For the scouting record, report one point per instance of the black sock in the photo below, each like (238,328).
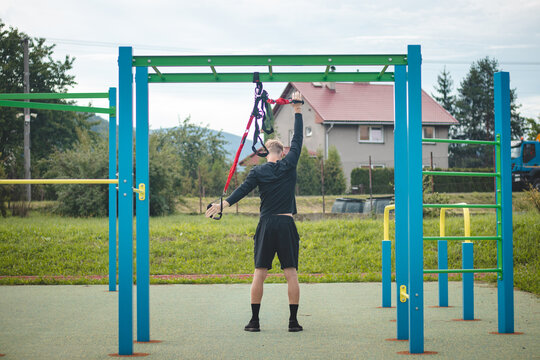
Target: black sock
(255,312)
(294,310)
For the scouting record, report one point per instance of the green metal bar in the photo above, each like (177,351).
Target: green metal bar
(214,72)
(456,141)
(60,107)
(461,206)
(460,271)
(458,238)
(382,71)
(498,197)
(265,60)
(157,71)
(270,70)
(276,77)
(48,96)
(457,173)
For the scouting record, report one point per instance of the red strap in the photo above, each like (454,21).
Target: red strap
(280,101)
(233,167)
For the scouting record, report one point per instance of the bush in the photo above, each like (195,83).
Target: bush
(534,196)
(382,180)
(334,179)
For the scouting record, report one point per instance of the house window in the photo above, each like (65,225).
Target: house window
(373,166)
(428,132)
(529,152)
(308,131)
(368,133)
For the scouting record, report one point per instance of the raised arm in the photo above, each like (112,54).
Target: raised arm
(298,137)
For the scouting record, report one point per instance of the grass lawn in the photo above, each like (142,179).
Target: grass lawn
(335,249)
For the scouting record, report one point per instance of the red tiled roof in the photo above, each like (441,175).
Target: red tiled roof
(253,159)
(363,102)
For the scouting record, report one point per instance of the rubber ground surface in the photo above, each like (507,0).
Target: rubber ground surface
(341,321)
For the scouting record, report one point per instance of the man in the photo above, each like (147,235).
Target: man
(276,231)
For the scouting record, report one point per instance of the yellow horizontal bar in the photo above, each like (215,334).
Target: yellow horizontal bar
(57,181)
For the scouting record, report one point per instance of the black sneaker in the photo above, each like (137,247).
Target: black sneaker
(294,326)
(253,326)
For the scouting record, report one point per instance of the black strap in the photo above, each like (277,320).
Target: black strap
(220,213)
(262,111)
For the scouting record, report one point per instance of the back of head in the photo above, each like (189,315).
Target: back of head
(274,147)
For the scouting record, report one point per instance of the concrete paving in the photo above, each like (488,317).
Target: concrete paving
(341,321)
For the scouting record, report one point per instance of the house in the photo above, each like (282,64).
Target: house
(358,119)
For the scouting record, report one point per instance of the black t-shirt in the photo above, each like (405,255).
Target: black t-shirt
(276,181)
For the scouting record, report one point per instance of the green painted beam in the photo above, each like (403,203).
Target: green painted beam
(458,173)
(461,206)
(48,96)
(275,77)
(458,238)
(460,271)
(456,141)
(383,70)
(275,60)
(60,107)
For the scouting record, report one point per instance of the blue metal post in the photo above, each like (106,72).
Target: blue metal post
(112,193)
(505,286)
(416,242)
(142,209)
(467,259)
(125,203)
(386,273)
(442,252)
(401,179)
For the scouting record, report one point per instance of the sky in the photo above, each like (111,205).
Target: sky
(452,34)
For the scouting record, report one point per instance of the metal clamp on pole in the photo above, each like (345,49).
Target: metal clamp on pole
(403,296)
(141,191)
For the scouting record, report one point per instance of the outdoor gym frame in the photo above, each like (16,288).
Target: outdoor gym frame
(12,100)
(408,172)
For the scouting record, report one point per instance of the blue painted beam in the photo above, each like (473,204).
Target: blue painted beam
(442,253)
(125,203)
(386,273)
(467,262)
(416,242)
(142,209)
(505,286)
(401,179)
(112,193)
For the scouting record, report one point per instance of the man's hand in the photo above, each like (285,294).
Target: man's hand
(297,106)
(216,208)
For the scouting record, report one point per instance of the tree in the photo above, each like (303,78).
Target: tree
(50,130)
(308,174)
(444,91)
(475,113)
(334,179)
(532,127)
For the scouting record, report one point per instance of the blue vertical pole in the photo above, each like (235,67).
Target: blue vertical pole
(467,259)
(442,252)
(112,192)
(401,181)
(386,273)
(125,203)
(142,209)
(505,286)
(416,242)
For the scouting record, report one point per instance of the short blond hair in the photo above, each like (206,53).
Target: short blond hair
(274,146)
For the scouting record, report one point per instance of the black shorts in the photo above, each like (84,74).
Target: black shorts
(276,234)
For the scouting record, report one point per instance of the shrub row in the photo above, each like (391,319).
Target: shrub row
(383,181)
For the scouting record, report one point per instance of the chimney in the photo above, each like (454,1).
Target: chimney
(331,86)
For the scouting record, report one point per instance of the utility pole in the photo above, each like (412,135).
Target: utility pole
(26,85)
(322,184)
(370,186)
(432,180)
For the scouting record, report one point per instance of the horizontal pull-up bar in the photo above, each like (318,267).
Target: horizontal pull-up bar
(47,96)
(460,238)
(274,60)
(457,141)
(460,173)
(57,181)
(460,206)
(62,107)
(461,271)
(274,77)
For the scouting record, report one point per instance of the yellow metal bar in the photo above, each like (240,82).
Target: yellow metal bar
(141,190)
(403,296)
(387,209)
(57,181)
(466,221)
